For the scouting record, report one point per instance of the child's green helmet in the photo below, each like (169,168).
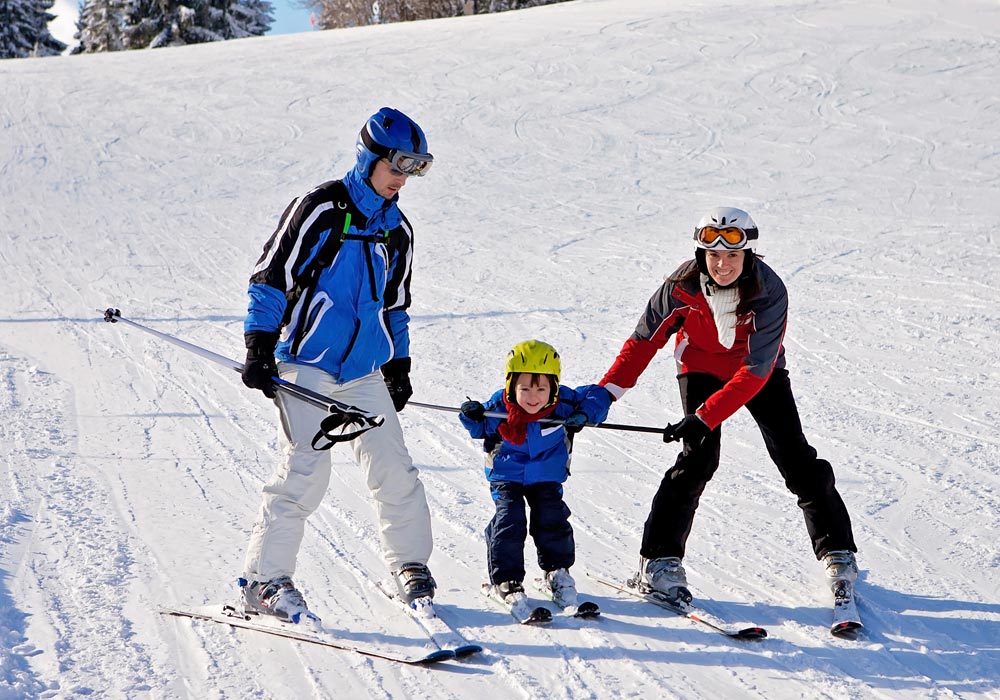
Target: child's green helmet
(535,357)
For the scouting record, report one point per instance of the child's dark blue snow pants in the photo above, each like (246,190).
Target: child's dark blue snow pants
(547,521)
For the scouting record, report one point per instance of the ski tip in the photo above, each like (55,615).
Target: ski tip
(847,630)
(587,609)
(467,650)
(752,633)
(539,616)
(438,656)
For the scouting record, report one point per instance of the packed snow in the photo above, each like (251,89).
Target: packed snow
(575,147)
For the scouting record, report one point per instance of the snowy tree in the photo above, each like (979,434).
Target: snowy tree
(100,26)
(334,14)
(248,18)
(24,29)
(156,23)
(487,6)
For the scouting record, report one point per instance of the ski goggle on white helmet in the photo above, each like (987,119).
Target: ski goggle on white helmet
(726,227)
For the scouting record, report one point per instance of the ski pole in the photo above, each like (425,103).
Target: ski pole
(333,406)
(553,421)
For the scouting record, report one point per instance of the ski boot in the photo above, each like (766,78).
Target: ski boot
(563,587)
(664,576)
(511,591)
(841,566)
(277,597)
(414,580)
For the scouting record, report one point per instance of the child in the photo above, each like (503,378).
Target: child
(526,461)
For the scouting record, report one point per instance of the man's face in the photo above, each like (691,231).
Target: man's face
(385,181)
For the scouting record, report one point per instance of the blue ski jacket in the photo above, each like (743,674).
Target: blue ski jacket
(545,454)
(334,279)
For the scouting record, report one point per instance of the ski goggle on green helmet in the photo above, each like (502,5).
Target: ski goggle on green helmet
(534,357)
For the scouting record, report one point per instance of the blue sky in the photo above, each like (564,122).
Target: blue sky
(289,17)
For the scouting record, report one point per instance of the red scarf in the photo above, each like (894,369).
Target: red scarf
(515,428)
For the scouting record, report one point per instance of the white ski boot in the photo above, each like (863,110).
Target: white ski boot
(563,587)
(665,576)
(277,597)
(840,566)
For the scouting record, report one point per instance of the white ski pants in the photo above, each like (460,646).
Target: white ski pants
(297,489)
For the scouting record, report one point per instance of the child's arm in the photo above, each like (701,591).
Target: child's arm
(594,401)
(472,419)
(480,426)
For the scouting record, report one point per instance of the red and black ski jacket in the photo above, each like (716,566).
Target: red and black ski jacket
(681,310)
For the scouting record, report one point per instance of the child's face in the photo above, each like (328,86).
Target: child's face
(531,391)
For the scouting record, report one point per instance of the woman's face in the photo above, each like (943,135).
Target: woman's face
(724,266)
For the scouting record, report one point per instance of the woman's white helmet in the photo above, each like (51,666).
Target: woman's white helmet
(726,227)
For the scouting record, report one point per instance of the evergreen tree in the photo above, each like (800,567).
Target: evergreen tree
(24,29)
(156,23)
(247,18)
(100,26)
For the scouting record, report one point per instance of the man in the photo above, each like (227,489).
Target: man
(327,311)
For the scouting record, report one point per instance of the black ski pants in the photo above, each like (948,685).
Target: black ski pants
(811,479)
(549,527)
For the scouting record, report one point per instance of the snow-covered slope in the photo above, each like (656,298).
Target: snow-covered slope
(575,146)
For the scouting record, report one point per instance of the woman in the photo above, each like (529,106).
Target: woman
(728,311)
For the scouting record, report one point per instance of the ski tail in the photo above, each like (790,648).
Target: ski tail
(229,615)
(424,613)
(521,609)
(686,610)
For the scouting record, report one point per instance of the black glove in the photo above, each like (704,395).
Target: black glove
(575,422)
(691,428)
(473,410)
(397,380)
(260,368)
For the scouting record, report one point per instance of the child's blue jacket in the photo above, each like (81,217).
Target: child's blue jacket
(545,454)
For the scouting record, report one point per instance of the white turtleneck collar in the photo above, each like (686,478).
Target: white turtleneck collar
(723,302)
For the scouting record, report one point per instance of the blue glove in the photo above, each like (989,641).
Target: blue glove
(691,429)
(575,423)
(473,410)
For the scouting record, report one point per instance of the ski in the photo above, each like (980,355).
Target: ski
(522,609)
(570,606)
(423,612)
(685,610)
(846,620)
(229,615)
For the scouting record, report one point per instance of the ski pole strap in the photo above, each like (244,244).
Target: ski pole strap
(344,423)
(549,421)
(342,426)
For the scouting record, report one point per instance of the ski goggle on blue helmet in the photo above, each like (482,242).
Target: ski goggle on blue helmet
(392,135)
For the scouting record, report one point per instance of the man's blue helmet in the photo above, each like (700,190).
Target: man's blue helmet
(392,135)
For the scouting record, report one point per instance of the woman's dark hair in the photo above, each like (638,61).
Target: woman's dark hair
(748,283)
